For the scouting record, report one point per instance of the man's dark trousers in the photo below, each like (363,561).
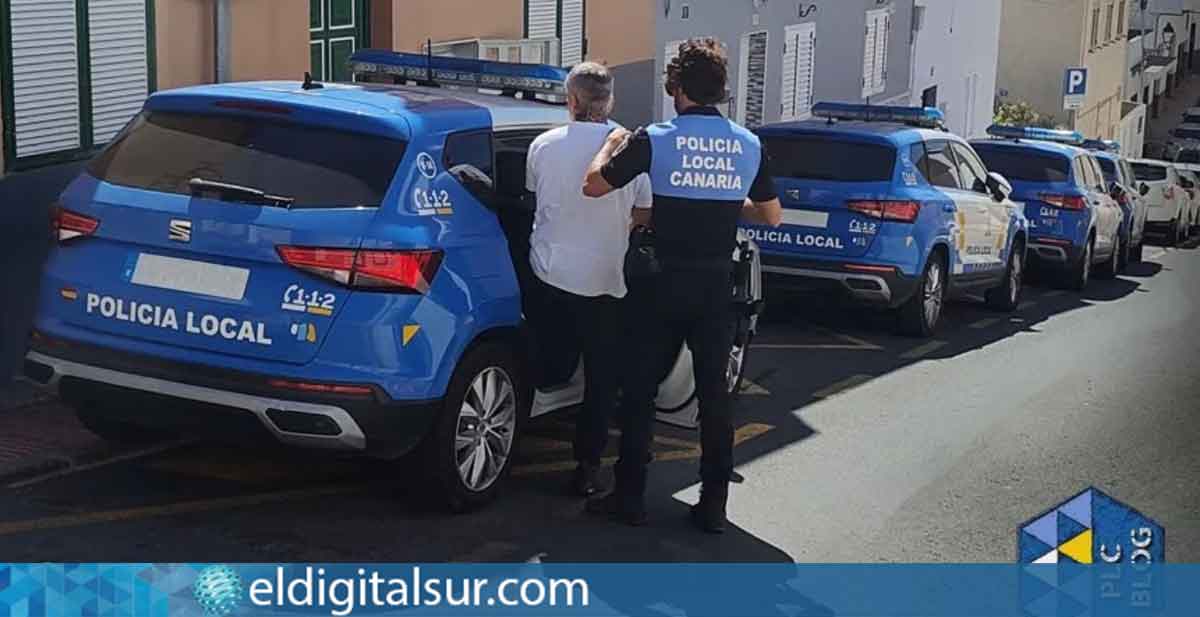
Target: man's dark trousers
(689,305)
(596,327)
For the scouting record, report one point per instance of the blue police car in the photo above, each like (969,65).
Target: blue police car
(337,266)
(1074,222)
(883,205)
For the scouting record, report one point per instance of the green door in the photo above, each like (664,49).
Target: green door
(337,29)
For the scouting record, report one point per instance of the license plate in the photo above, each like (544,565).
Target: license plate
(190,276)
(806,218)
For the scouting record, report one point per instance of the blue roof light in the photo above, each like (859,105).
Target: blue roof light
(1072,138)
(927,117)
(471,73)
(1103,145)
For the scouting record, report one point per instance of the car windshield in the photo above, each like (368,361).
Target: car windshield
(1024,165)
(1149,172)
(315,167)
(1110,169)
(820,158)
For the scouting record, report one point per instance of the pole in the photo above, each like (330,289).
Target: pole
(222,33)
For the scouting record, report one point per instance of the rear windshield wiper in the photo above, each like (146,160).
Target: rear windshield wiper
(236,192)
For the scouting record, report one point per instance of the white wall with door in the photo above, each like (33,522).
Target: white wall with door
(956,51)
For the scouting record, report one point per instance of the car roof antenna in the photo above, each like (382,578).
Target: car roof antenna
(309,84)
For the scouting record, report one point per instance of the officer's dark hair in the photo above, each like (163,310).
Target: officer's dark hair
(701,70)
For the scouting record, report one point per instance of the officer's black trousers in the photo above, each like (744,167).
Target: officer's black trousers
(677,306)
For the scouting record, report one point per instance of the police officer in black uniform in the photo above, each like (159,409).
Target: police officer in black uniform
(706,173)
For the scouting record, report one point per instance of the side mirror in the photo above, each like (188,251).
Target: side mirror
(999,186)
(1116,191)
(1143,188)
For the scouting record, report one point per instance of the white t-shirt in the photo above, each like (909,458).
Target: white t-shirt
(579,243)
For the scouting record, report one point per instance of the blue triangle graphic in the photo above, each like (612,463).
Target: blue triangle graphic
(1079,508)
(1044,529)
(1068,528)
(1032,548)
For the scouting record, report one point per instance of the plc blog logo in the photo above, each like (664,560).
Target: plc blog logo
(1091,528)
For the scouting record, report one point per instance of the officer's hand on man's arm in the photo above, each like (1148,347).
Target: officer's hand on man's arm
(763,207)
(769,213)
(624,157)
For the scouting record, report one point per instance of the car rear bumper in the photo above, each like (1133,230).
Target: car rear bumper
(884,287)
(1052,253)
(194,399)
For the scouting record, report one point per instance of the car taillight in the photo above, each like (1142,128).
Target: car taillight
(66,225)
(410,271)
(1123,198)
(901,211)
(321,388)
(1066,202)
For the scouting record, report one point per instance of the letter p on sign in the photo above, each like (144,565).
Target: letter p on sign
(1074,88)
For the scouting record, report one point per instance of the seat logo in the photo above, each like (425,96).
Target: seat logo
(179,230)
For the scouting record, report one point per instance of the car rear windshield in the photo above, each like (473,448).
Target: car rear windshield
(317,167)
(820,158)
(1025,165)
(1110,169)
(1148,172)
(1188,156)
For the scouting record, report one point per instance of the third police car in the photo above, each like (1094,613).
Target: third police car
(882,204)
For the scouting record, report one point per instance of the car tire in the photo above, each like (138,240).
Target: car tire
(1123,256)
(482,416)
(1135,253)
(1080,272)
(1007,296)
(1112,267)
(93,418)
(920,314)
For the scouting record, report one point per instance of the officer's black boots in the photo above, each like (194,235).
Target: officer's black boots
(620,508)
(709,513)
(586,482)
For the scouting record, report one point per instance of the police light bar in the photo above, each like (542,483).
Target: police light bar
(1102,145)
(1073,138)
(468,72)
(927,117)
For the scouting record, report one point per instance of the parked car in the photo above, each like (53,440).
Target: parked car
(1074,223)
(1191,182)
(884,207)
(1125,188)
(1191,115)
(1166,200)
(337,266)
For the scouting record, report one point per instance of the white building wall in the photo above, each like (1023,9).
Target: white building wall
(957,49)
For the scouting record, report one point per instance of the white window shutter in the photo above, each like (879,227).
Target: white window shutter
(45,74)
(799,63)
(572,32)
(120,69)
(875,52)
(752,89)
(542,19)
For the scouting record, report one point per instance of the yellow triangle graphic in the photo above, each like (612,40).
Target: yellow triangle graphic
(1079,548)
(409,333)
(312,333)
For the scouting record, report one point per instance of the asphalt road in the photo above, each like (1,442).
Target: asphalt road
(856,445)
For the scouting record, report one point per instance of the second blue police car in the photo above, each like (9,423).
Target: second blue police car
(337,266)
(882,205)
(1123,184)
(1074,222)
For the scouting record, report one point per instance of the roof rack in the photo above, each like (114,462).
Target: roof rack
(1003,131)
(510,78)
(924,117)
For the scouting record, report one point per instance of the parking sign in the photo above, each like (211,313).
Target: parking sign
(1074,87)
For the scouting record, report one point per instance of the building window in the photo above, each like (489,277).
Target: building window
(1108,23)
(1095,27)
(1121,19)
(875,52)
(685,12)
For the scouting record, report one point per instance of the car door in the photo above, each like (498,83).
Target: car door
(970,229)
(998,213)
(1098,200)
(980,247)
(1132,187)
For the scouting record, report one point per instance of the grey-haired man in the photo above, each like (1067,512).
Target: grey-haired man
(578,251)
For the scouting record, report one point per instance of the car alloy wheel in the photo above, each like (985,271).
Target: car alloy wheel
(486,425)
(1016,275)
(933,293)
